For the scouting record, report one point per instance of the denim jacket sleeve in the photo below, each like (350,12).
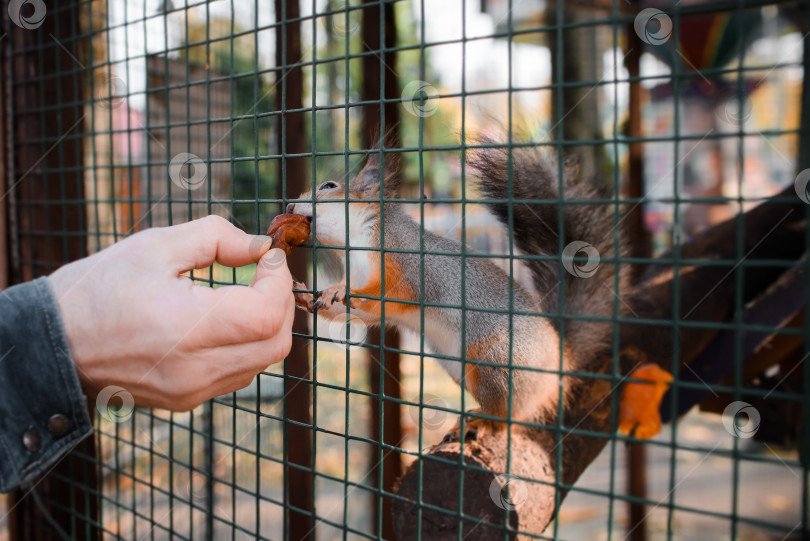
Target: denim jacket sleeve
(43,412)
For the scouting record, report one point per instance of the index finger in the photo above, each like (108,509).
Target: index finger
(197,244)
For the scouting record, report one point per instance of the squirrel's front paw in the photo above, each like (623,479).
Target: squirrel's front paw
(303,300)
(474,428)
(329,296)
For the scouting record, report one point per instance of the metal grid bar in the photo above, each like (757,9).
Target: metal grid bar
(143,462)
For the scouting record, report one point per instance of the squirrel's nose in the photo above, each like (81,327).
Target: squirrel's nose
(291,208)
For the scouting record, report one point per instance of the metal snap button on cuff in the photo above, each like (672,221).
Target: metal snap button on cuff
(31,440)
(58,425)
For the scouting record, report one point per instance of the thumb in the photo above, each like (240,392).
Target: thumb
(272,272)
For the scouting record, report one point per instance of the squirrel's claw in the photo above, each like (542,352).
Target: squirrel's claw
(329,296)
(474,428)
(319,300)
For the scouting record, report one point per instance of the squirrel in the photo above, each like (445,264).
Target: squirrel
(493,370)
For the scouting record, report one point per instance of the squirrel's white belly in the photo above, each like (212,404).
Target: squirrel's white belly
(439,337)
(360,268)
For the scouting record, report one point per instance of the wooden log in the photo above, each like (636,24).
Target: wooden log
(533,479)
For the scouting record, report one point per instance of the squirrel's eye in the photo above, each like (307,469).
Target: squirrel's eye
(328,186)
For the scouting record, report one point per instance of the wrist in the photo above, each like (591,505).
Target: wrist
(74,318)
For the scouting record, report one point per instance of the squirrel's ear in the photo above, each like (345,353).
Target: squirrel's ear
(368,181)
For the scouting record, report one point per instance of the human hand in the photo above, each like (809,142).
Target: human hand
(133,321)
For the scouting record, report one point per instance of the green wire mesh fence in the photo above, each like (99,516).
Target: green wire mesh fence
(124,115)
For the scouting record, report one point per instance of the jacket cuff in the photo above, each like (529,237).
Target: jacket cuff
(43,412)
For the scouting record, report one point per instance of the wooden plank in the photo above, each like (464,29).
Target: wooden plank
(638,237)
(292,175)
(45,74)
(775,350)
(5,246)
(386,415)
(774,308)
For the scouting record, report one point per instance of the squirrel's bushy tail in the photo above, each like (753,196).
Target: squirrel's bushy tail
(523,173)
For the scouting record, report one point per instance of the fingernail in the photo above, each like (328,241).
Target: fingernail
(258,245)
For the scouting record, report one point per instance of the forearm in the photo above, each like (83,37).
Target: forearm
(43,412)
